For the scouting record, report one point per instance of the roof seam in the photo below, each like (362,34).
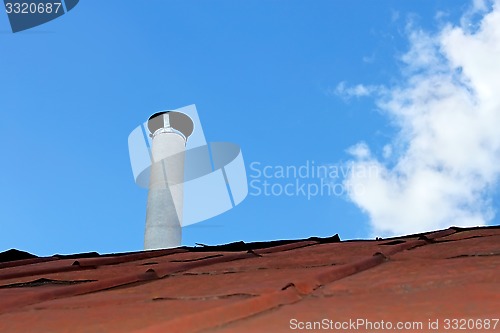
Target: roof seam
(252,270)
(151,274)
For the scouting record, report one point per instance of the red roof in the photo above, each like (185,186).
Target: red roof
(260,287)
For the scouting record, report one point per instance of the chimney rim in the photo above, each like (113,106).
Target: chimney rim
(178,121)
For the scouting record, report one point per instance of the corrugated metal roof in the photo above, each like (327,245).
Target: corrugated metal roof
(257,287)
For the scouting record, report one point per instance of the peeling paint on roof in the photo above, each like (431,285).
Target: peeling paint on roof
(255,287)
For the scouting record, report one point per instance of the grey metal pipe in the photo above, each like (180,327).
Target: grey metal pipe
(169,131)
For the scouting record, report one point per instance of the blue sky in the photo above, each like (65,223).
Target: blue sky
(289,81)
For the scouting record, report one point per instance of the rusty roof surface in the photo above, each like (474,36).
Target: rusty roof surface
(280,286)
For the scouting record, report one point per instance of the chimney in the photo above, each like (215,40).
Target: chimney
(169,131)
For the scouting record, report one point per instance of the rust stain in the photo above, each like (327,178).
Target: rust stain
(246,289)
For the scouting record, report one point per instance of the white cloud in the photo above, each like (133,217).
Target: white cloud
(359,90)
(448,114)
(360,151)
(479,5)
(387,151)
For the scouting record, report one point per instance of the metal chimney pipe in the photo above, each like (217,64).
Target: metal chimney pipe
(169,131)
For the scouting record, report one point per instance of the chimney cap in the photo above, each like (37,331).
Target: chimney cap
(178,121)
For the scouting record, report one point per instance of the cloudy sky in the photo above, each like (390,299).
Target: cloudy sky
(442,166)
(354,117)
